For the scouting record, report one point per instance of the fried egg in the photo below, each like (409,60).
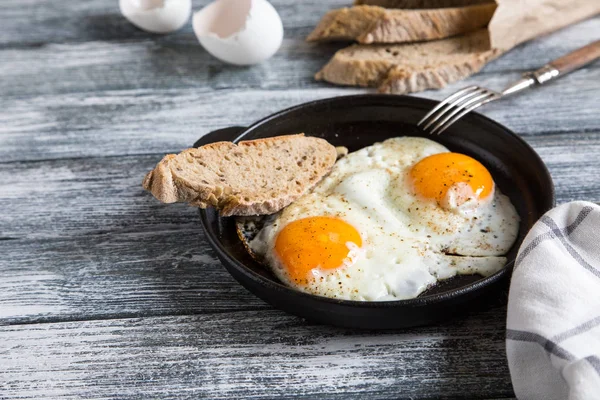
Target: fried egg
(390,221)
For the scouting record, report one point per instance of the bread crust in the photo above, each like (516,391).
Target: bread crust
(406,68)
(411,4)
(372,24)
(255,177)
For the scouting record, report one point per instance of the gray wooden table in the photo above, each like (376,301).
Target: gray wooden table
(105,293)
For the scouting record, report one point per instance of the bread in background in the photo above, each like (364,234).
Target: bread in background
(372,24)
(405,68)
(420,3)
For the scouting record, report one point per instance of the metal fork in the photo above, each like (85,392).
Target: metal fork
(462,102)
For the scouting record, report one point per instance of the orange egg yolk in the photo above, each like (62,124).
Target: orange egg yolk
(434,175)
(314,242)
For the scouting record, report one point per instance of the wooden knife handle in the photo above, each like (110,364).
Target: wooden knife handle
(577,58)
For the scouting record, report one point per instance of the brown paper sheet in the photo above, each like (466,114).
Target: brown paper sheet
(516,21)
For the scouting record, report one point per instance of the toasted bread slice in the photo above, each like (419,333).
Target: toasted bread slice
(408,68)
(372,24)
(420,3)
(253,177)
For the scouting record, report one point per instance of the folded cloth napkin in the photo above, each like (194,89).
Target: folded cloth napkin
(553,323)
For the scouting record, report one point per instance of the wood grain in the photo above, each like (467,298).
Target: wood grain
(577,58)
(168,120)
(116,275)
(31,23)
(69,102)
(98,196)
(105,293)
(178,61)
(261,354)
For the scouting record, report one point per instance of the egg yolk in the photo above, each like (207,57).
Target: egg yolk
(314,242)
(434,175)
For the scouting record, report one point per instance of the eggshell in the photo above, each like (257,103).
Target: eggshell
(158,16)
(241,32)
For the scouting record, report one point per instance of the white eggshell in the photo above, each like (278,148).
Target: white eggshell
(158,16)
(241,32)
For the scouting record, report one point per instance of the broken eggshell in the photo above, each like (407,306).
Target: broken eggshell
(241,32)
(158,16)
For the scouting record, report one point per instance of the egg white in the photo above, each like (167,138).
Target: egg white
(408,243)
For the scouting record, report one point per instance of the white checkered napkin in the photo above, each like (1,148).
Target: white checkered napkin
(553,326)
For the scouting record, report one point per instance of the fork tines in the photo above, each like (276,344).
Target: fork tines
(455,107)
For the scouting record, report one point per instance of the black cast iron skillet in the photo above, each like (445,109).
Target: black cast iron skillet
(359,121)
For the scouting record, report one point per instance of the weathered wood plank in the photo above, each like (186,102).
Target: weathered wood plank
(157,93)
(35,22)
(79,81)
(178,61)
(574,163)
(265,354)
(168,63)
(116,275)
(75,197)
(166,120)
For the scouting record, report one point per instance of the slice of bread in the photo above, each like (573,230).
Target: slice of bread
(372,24)
(255,177)
(405,68)
(420,3)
